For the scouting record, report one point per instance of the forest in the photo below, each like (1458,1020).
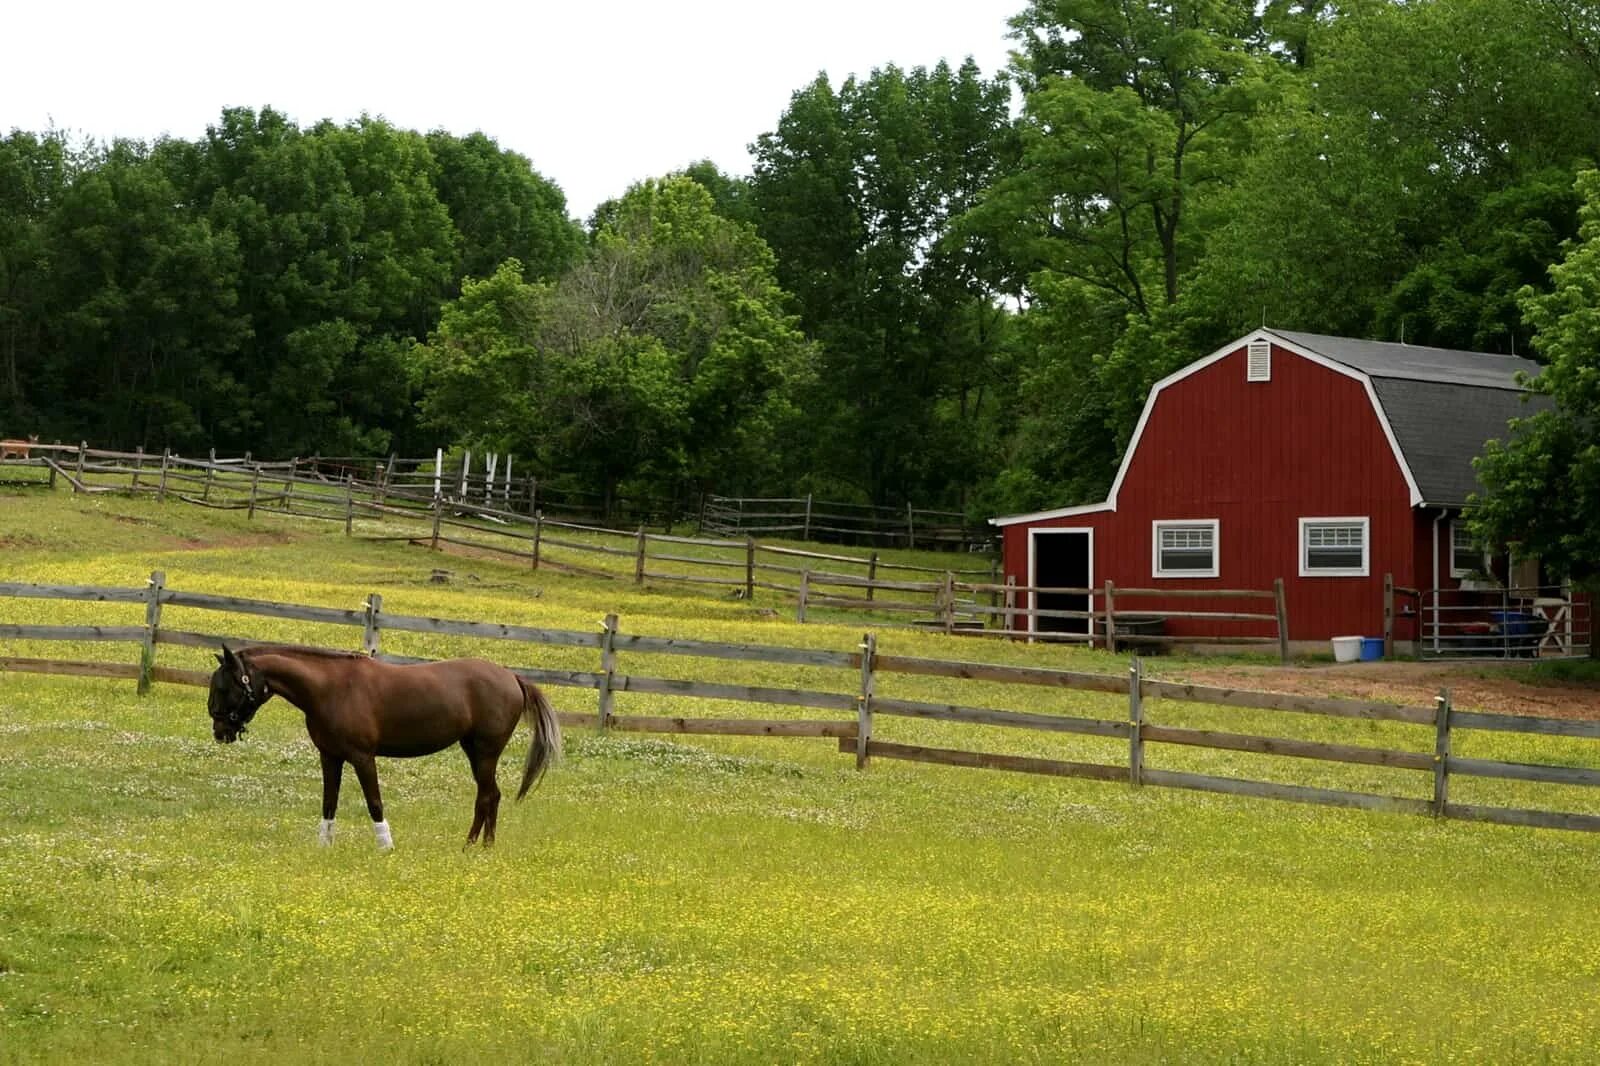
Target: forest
(936,284)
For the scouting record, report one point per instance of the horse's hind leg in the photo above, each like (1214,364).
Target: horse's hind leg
(487,810)
(479,812)
(366,767)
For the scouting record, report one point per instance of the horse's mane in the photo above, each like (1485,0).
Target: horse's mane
(301,649)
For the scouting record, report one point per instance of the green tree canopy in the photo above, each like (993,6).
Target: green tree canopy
(1542,485)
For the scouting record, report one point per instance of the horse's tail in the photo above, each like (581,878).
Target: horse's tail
(546,746)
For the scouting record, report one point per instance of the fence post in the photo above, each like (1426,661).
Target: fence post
(1011,604)
(438,509)
(349,503)
(138,464)
(911,527)
(638,562)
(806,532)
(166,460)
(211,472)
(872,573)
(805,595)
(1441,753)
(255,482)
(1283,620)
(749,568)
(466,471)
(949,603)
(152,622)
(1135,722)
(869,653)
(994,594)
(369,634)
(438,470)
(288,488)
(1111,621)
(83,446)
(608,669)
(1388,615)
(533,495)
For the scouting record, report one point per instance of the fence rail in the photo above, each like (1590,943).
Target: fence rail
(967,601)
(846,523)
(859,704)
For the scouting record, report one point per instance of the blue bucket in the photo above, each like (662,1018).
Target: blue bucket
(1371,649)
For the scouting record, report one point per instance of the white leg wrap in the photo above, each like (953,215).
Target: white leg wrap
(381,830)
(325,832)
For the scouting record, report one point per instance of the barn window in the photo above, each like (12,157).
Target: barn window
(1465,555)
(1334,547)
(1258,361)
(1184,549)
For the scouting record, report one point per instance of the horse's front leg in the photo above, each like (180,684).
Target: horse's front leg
(332,774)
(366,767)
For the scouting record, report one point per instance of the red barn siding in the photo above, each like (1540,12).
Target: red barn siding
(1258,457)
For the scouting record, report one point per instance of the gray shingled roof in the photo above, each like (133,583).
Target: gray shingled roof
(1441,403)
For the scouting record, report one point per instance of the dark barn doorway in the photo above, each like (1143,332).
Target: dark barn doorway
(1061,558)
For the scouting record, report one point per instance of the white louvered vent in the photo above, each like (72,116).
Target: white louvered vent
(1259,365)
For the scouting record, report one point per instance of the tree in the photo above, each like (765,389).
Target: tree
(855,190)
(502,208)
(33,173)
(145,305)
(1132,109)
(664,354)
(1542,485)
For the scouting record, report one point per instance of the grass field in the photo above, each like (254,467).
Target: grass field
(727,900)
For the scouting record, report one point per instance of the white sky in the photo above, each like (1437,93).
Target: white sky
(597,95)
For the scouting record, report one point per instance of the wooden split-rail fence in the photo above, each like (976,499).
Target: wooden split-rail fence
(958,601)
(858,706)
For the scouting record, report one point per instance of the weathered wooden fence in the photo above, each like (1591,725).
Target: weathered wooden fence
(807,518)
(858,704)
(969,602)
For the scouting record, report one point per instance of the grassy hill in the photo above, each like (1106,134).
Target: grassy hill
(714,899)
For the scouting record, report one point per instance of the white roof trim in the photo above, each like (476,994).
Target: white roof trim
(1042,516)
(1110,503)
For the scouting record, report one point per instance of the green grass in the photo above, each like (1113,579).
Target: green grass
(737,900)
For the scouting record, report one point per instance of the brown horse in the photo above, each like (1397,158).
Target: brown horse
(18,449)
(358,708)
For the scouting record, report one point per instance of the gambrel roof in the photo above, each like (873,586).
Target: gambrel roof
(1437,408)
(1442,404)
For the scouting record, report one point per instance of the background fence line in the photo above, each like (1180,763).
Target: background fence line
(945,600)
(492,484)
(858,708)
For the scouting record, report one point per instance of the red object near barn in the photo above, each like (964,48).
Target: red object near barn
(1324,461)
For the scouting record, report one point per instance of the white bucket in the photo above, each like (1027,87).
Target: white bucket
(1346,649)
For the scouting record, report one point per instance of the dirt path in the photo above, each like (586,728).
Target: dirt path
(1472,686)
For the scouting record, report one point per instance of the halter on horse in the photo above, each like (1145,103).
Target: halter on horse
(358,708)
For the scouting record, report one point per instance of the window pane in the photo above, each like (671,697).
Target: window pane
(1335,546)
(1333,558)
(1185,560)
(1464,555)
(1186,549)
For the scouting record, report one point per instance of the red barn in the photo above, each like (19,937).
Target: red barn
(1326,461)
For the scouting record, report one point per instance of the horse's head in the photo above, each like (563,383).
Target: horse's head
(237,692)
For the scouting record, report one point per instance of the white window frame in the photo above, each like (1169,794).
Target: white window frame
(1364,570)
(1160,524)
(1479,560)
